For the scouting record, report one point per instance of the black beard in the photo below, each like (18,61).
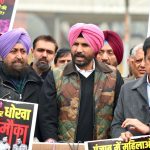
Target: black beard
(81,64)
(42,66)
(14,73)
(19,144)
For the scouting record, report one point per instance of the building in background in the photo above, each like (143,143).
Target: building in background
(54,17)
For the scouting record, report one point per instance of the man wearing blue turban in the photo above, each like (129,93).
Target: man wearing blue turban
(18,80)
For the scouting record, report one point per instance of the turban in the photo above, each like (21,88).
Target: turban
(115,43)
(91,33)
(9,39)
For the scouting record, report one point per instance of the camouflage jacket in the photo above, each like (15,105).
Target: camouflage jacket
(68,93)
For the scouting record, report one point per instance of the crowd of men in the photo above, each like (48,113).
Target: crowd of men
(80,91)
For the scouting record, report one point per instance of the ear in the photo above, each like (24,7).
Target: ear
(32,50)
(129,60)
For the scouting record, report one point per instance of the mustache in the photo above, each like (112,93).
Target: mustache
(105,61)
(43,59)
(18,61)
(79,55)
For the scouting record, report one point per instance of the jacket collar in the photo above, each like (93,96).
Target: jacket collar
(141,86)
(44,74)
(139,82)
(100,67)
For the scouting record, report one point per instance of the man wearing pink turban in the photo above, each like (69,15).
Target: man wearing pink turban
(91,33)
(18,80)
(76,101)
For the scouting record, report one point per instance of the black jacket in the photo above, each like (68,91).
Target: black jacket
(44,74)
(30,92)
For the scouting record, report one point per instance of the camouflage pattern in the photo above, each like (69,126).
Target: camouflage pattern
(68,93)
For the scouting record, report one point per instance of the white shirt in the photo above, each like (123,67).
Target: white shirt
(148,90)
(86,73)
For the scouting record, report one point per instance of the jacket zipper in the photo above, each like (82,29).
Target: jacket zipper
(20,95)
(75,135)
(94,120)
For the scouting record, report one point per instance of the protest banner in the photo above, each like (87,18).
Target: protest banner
(138,142)
(17,124)
(7,14)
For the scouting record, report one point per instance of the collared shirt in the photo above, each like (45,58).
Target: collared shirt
(148,90)
(86,73)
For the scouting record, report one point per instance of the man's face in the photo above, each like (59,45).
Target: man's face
(17,58)
(19,142)
(4,140)
(147,63)
(137,64)
(82,54)
(64,59)
(107,55)
(43,54)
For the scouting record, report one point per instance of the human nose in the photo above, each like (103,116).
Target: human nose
(105,56)
(19,55)
(79,49)
(44,54)
(65,62)
(143,63)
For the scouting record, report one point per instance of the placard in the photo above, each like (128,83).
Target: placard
(138,142)
(17,124)
(7,14)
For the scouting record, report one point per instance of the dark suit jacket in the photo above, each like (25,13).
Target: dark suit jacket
(132,103)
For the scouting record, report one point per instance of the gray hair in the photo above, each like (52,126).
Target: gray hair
(137,47)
